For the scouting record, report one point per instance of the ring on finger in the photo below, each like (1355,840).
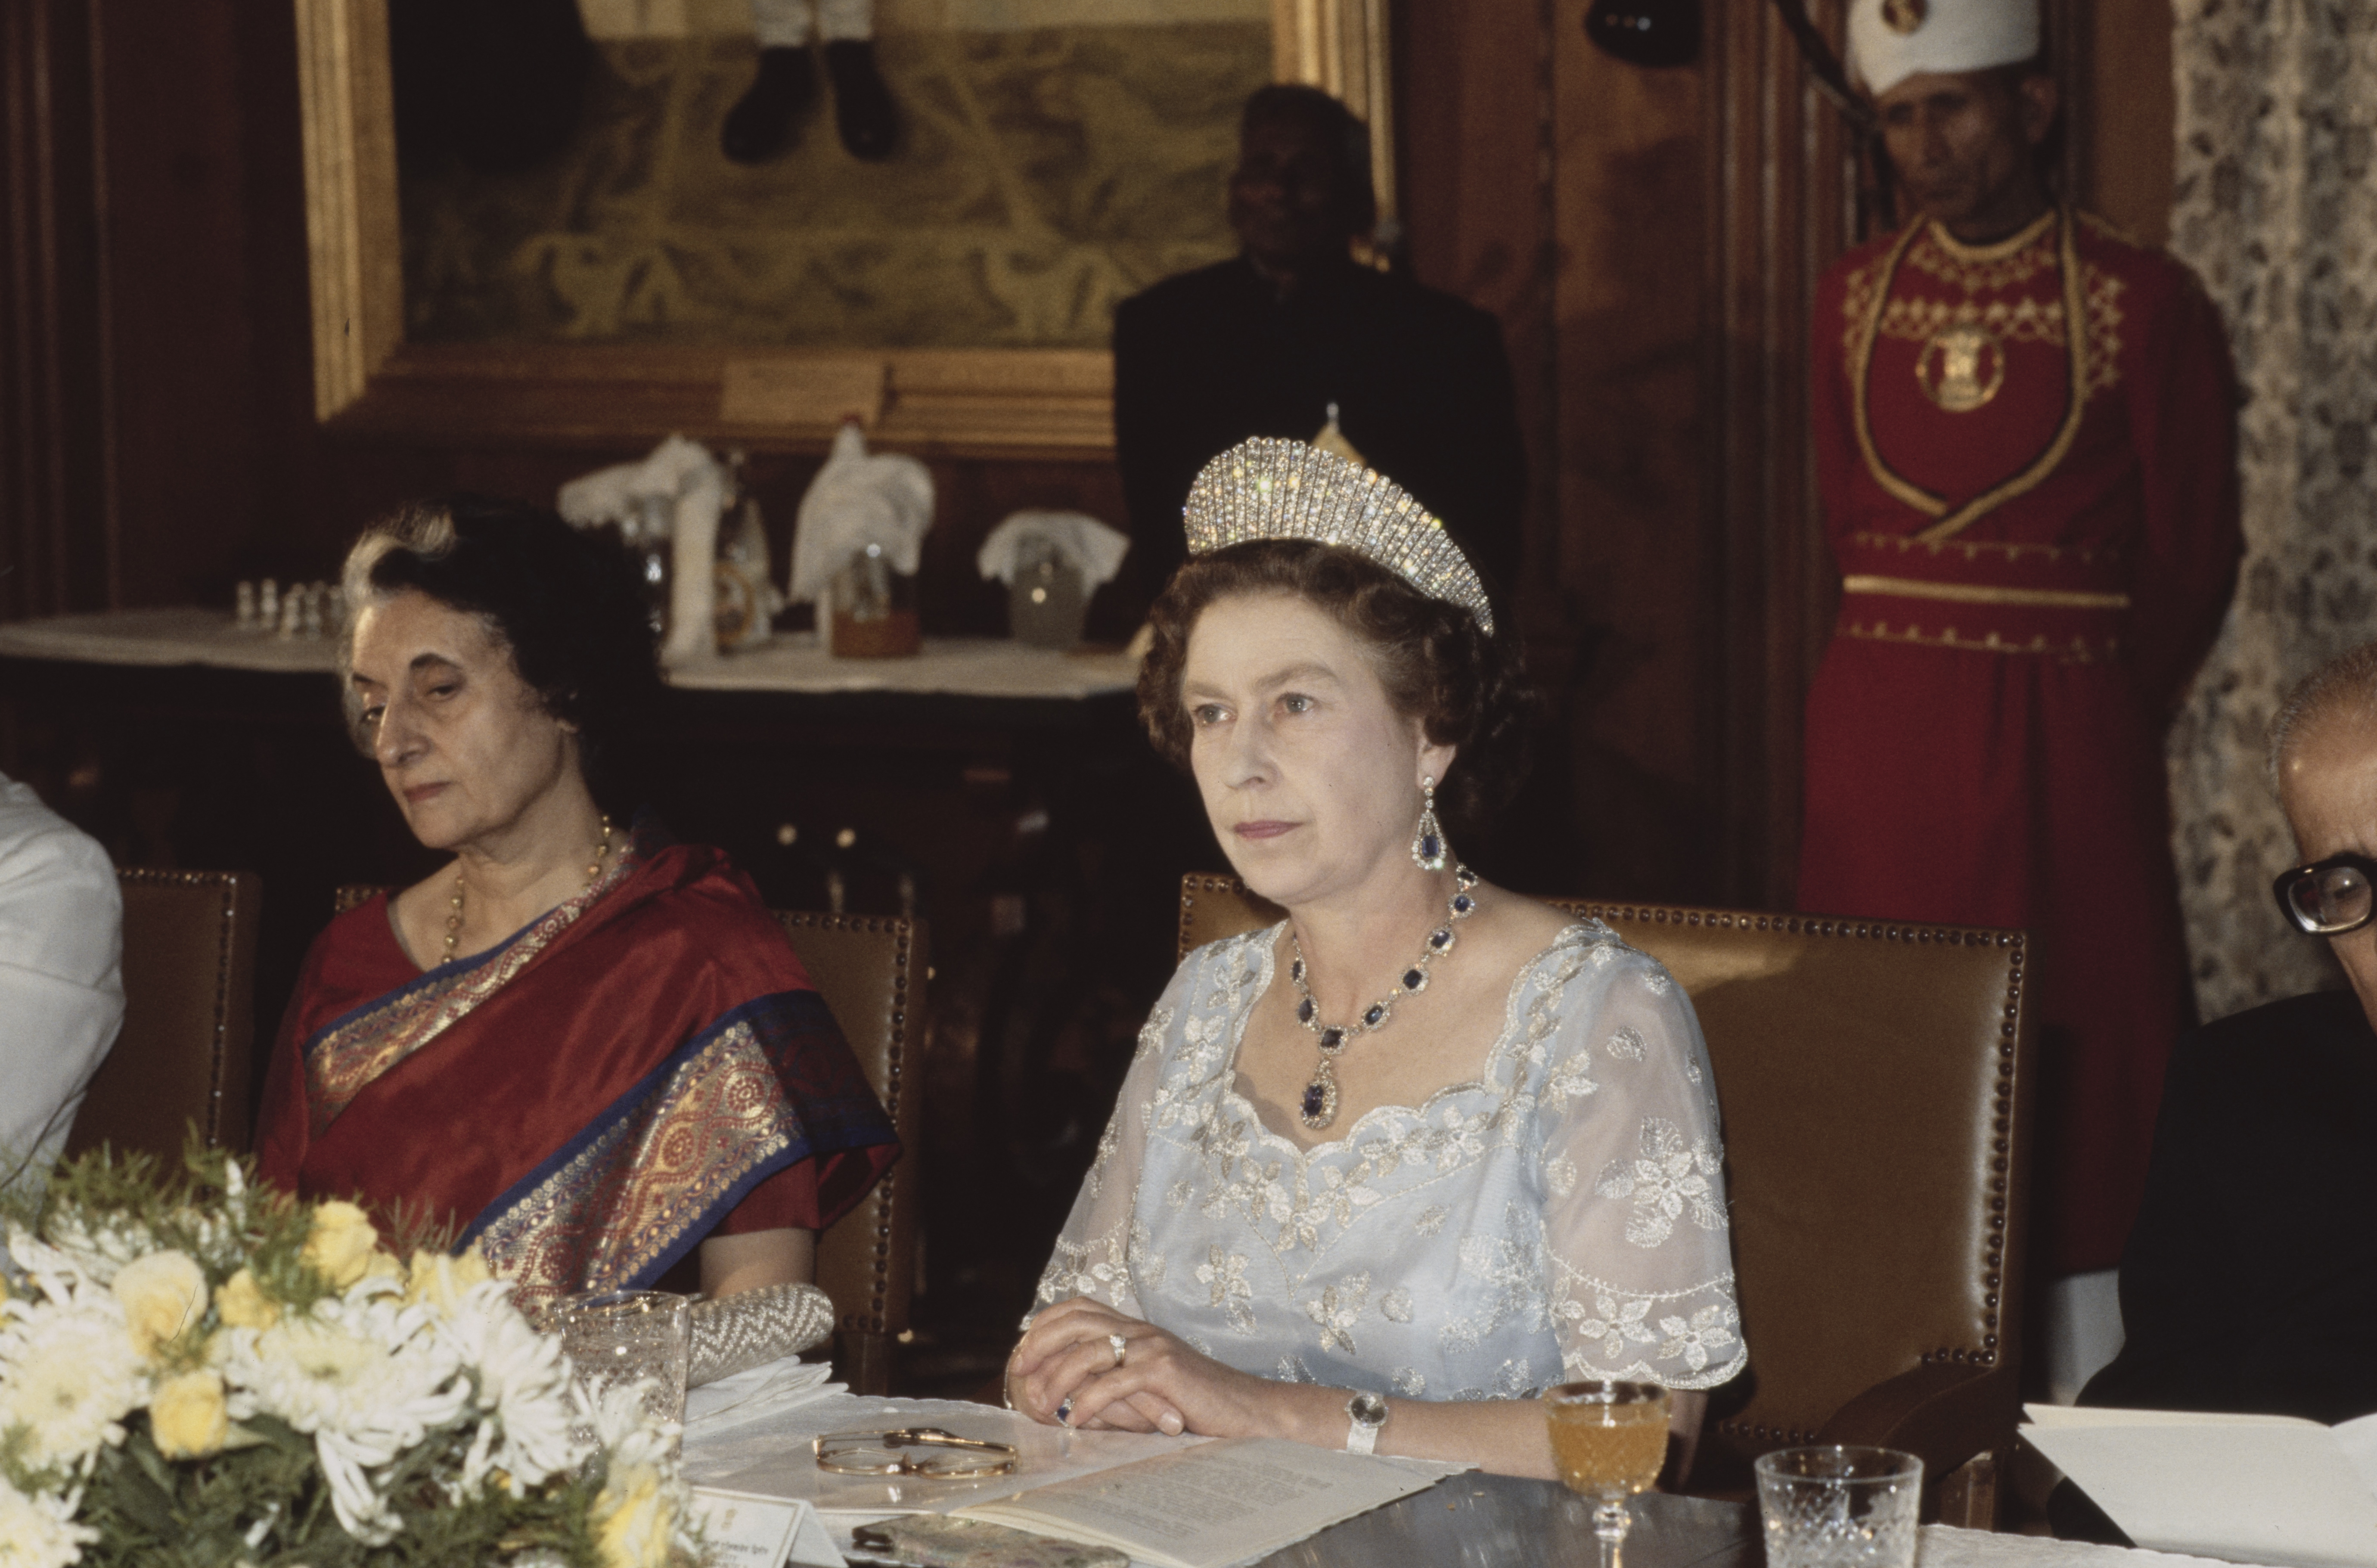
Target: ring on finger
(1065,1412)
(1118,1344)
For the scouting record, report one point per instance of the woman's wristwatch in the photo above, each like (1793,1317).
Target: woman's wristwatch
(1367,1413)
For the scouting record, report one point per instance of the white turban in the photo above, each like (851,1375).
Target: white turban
(1893,39)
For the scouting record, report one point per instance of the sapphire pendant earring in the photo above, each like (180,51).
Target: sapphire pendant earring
(1427,839)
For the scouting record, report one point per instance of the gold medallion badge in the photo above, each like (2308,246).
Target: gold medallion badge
(1962,367)
(1903,16)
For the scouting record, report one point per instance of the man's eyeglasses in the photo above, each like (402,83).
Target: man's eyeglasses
(2329,897)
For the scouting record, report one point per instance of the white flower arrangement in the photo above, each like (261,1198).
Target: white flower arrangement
(196,1371)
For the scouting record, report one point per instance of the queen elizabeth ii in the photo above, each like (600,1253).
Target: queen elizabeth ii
(1425,1146)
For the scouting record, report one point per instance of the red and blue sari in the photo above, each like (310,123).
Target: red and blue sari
(642,1066)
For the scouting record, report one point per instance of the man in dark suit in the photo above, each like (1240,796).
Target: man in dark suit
(1268,344)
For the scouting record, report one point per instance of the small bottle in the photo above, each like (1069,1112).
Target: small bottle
(244,598)
(267,605)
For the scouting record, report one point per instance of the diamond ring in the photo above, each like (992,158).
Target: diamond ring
(1118,1341)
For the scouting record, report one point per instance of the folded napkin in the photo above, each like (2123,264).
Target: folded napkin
(681,476)
(858,499)
(1081,541)
(768,1389)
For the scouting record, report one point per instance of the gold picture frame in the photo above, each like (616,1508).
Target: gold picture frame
(1054,403)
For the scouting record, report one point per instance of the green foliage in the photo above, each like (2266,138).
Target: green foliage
(156,1513)
(263,1500)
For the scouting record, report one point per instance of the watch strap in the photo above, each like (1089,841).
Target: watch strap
(1365,1414)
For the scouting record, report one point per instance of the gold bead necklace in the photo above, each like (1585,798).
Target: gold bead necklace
(454,913)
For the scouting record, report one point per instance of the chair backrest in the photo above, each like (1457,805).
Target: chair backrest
(870,970)
(1874,1081)
(189,1016)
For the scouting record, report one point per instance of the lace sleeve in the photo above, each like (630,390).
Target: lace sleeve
(1634,1179)
(1095,1250)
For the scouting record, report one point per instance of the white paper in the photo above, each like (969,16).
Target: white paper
(1226,1503)
(743,1531)
(773,1458)
(2251,1489)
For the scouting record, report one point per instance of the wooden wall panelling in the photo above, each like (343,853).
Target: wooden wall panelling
(1636,554)
(58,514)
(1473,96)
(1779,199)
(2123,123)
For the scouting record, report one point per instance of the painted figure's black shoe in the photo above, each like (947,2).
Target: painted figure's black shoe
(863,110)
(760,125)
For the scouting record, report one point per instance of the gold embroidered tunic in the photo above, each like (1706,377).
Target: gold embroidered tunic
(2026,455)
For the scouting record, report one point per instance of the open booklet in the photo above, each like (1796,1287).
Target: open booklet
(2250,1489)
(1213,1506)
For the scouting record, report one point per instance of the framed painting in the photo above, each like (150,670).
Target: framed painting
(630,277)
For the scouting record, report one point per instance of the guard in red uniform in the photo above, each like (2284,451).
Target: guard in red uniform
(2024,433)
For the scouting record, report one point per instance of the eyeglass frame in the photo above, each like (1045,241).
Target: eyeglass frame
(2284,884)
(899,1464)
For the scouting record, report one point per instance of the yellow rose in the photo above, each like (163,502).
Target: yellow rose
(187,1417)
(162,1293)
(340,1246)
(635,1519)
(244,1304)
(440,1280)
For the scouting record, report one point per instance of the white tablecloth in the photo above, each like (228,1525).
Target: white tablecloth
(959,667)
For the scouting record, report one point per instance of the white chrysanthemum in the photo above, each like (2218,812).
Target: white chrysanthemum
(366,1377)
(524,1389)
(641,1454)
(99,1244)
(40,1531)
(52,1273)
(69,1374)
(627,1430)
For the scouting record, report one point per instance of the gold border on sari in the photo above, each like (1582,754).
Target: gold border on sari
(609,1214)
(347,1060)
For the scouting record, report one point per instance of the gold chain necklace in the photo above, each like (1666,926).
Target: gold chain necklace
(454,914)
(1319,1107)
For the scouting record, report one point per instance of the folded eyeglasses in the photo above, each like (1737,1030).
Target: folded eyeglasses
(885,1454)
(2329,897)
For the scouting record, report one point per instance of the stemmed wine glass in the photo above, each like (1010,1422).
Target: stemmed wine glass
(1609,1440)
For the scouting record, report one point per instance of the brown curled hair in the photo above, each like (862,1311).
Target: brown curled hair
(1469,690)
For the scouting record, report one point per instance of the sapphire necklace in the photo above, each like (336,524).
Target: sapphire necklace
(1319,1108)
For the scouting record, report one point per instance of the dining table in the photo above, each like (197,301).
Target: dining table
(1467,1519)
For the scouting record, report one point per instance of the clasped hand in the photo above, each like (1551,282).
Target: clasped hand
(1064,1372)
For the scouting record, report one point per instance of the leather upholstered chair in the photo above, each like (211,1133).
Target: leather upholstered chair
(870,970)
(189,1017)
(1875,1080)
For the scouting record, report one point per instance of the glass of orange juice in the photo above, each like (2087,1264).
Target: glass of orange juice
(1609,1440)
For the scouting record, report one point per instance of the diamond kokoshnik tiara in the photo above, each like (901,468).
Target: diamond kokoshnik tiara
(1270,488)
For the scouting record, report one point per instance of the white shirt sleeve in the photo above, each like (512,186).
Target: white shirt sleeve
(61,976)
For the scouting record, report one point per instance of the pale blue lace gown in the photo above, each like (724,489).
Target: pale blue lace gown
(1562,1216)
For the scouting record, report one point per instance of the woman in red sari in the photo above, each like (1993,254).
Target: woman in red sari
(591,1051)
